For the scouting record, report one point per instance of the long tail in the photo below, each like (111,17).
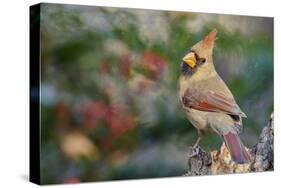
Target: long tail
(236,148)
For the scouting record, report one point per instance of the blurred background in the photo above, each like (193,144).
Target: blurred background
(109,100)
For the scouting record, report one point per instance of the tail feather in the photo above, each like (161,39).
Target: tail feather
(237,150)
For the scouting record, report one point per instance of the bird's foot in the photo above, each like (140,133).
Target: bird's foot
(194,151)
(197,143)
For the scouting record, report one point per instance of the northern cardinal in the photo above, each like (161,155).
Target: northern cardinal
(207,101)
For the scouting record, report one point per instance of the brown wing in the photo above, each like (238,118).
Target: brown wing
(211,101)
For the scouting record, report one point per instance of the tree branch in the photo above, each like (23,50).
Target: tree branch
(219,161)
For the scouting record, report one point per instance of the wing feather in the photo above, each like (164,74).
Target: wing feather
(211,101)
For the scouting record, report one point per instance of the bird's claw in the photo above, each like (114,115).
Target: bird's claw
(194,151)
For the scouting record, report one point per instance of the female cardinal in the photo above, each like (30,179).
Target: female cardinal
(207,101)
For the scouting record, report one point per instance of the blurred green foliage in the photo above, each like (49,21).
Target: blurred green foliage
(109,88)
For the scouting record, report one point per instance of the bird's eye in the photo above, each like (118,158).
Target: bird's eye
(202,60)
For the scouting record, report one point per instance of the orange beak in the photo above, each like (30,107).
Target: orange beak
(190,60)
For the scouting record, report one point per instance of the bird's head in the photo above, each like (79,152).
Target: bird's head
(200,55)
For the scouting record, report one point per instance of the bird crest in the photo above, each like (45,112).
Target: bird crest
(205,46)
(210,39)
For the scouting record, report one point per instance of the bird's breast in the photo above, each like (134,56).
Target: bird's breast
(197,118)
